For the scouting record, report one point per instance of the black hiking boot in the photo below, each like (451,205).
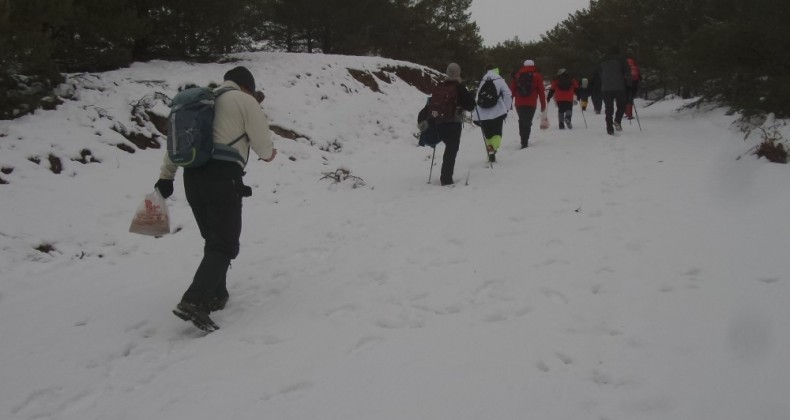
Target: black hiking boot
(195,314)
(217,303)
(610,131)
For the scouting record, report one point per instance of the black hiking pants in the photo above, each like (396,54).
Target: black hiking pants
(214,192)
(611,100)
(493,127)
(564,112)
(597,101)
(450,134)
(525,116)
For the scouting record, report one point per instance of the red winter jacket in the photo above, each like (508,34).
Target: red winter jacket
(564,95)
(635,74)
(538,90)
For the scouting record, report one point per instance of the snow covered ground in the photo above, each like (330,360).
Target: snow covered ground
(640,277)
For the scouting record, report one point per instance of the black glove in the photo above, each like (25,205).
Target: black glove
(165,187)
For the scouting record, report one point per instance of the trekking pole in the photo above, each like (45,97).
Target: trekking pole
(584,118)
(485,145)
(637,117)
(430,172)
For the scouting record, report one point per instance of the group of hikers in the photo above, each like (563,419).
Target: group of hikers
(235,123)
(612,87)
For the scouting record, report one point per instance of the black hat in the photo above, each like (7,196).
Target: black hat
(242,77)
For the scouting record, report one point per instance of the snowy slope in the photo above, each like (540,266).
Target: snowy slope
(642,276)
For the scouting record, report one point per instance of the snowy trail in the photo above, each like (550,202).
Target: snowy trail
(641,276)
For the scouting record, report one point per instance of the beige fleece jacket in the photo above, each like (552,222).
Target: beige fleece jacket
(235,113)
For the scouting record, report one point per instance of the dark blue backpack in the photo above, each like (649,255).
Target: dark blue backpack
(429,133)
(190,134)
(430,136)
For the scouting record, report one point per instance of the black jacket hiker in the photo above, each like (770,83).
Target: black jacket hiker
(614,75)
(450,131)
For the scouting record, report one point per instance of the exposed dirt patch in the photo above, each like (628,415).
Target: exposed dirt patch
(365,78)
(55,165)
(286,133)
(384,77)
(86,156)
(158,121)
(45,248)
(125,147)
(140,140)
(424,80)
(7,170)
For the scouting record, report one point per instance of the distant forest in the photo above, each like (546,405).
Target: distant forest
(731,52)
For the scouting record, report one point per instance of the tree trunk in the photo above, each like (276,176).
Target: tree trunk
(326,41)
(5,11)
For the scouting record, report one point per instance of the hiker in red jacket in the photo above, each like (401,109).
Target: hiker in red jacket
(636,77)
(563,89)
(527,88)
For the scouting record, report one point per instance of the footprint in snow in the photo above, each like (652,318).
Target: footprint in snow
(769,280)
(564,358)
(365,343)
(554,296)
(342,310)
(289,391)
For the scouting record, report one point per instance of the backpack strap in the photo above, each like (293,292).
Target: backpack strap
(494,79)
(222,90)
(226,151)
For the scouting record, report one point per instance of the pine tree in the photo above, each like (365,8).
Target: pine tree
(99,35)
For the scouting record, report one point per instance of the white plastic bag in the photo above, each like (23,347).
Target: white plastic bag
(151,217)
(544,120)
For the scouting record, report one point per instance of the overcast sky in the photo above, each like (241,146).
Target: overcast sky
(500,20)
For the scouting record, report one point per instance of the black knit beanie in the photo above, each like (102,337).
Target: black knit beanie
(242,77)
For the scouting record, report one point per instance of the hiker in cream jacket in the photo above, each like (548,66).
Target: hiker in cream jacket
(215,189)
(237,114)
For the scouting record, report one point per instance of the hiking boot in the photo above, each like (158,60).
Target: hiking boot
(217,303)
(610,131)
(618,127)
(568,123)
(562,126)
(196,314)
(492,157)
